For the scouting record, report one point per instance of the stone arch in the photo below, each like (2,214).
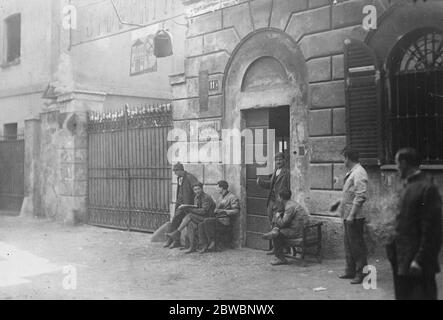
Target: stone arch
(264,72)
(400,20)
(259,47)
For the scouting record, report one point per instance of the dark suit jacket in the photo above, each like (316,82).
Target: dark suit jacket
(188,193)
(418,226)
(205,205)
(293,221)
(276,184)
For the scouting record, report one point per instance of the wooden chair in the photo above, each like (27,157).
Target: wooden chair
(312,237)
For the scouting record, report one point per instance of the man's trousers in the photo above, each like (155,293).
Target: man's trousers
(422,287)
(407,287)
(280,242)
(271,209)
(177,219)
(210,230)
(355,247)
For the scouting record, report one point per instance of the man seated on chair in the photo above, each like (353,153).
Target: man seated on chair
(228,206)
(287,224)
(203,208)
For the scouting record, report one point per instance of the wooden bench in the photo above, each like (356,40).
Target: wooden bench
(312,237)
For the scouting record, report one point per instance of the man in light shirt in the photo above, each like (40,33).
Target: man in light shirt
(227,207)
(351,209)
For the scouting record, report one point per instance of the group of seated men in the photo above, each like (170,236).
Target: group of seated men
(204,219)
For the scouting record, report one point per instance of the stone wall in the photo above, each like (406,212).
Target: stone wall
(319,28)
(56,150)
(101,46)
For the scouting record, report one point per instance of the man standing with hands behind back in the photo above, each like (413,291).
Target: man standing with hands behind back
(354,196)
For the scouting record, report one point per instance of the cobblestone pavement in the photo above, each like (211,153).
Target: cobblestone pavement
(38,258)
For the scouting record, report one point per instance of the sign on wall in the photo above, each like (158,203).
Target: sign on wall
(143,59)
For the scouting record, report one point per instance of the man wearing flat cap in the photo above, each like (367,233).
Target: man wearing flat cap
(279,181)
(185,196)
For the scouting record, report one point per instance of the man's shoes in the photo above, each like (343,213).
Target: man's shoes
(203,250)
(167,243)
(175,244)
(346,276)
(173,235)
(190,250)
(271,235)
(270,253)
(211,246)
(279,262)
(358,279)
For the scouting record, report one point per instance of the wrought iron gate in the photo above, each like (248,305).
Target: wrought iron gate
(129,178)
(12,166)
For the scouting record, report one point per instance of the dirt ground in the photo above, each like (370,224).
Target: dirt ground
(44,260)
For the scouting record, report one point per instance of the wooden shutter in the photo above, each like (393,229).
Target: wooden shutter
(363,110)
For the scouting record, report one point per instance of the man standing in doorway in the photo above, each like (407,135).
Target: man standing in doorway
(185,196)
(416,244)
(351,205)
(279,181)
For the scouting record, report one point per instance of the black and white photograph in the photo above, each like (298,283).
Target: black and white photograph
(242,152)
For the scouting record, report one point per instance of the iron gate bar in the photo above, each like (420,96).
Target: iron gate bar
(129,174)
(12,189)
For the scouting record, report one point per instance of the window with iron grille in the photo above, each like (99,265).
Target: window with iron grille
(416,95)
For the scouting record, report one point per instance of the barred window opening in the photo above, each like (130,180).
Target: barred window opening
(416,106)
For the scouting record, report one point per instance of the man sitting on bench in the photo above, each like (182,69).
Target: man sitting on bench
(286,225)
(227,206)
(203,208)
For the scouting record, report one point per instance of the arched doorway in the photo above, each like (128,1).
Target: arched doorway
(267,72)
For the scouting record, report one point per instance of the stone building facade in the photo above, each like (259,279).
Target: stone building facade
(74,57)
(237,64)
(261,55)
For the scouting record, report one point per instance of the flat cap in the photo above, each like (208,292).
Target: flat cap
(280,155)
(178,167)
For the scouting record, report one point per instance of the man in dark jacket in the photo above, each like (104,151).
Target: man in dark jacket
(415,247)
(202,208)
(185,195)
(287,224)
(279,181)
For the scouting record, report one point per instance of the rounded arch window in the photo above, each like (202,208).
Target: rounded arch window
(415,71)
